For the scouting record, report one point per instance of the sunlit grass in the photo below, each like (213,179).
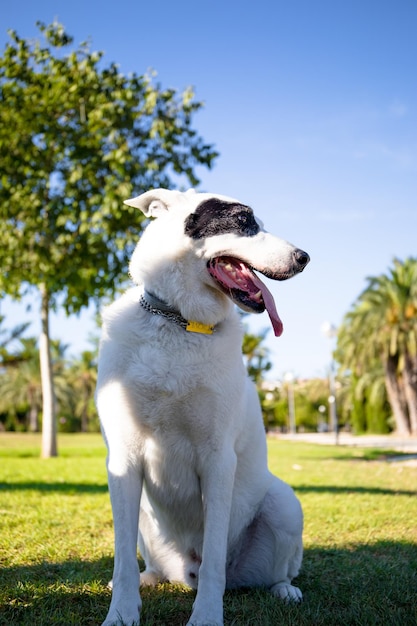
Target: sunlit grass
(56,551)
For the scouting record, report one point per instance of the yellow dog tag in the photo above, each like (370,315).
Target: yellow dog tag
(197,327)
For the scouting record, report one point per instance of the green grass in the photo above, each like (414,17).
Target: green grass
(56,539)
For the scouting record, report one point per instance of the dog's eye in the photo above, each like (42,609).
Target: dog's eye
(246,223)
(244,219)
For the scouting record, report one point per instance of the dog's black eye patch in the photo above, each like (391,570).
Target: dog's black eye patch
(217,217)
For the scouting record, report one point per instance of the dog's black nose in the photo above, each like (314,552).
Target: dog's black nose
(301,258)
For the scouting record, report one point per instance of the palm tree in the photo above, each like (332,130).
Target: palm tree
(382,326)
(21,384)
(82,377)
(256,355)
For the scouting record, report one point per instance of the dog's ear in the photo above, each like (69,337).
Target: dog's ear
(155,202)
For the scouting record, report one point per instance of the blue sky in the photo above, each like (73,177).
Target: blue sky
(313,108)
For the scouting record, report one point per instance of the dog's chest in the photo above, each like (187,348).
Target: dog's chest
(170,468)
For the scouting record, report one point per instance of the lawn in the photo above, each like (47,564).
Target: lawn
(56,546)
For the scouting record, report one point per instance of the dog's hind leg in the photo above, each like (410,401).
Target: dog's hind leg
(165,559)
(270,550)
(283,509)
(152,574)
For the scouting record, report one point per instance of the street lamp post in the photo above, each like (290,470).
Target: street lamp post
(330,331)
(322,423)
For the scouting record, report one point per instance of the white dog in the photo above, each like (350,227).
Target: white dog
(187,460)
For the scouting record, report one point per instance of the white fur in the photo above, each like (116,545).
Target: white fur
(184,431)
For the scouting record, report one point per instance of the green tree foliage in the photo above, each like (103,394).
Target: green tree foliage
(378,341)
(76,139)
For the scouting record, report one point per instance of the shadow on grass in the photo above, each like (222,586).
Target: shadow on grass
(76,592)
(59,487)
(354,454)
(363,585)
(350,489)
(72,592)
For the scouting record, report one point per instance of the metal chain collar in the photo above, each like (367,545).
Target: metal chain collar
(170,315)
(155,306)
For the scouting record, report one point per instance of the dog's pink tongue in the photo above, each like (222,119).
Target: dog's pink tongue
(270,306)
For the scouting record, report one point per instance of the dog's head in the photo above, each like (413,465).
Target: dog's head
(217,243)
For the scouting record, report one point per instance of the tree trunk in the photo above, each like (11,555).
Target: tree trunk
(49,439)
(394,393)
(410,391)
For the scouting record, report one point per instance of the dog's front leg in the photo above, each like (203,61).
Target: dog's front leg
(125,485)
(217,480)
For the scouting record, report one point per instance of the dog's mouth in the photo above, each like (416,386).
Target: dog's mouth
(243,286)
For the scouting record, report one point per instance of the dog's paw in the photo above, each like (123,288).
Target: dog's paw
(286,592)
(129,615)
(205,620)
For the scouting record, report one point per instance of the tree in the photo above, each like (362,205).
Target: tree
(82,377)
(76,139)
(21,385)
(309,395)
(363,401)
(382,328)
